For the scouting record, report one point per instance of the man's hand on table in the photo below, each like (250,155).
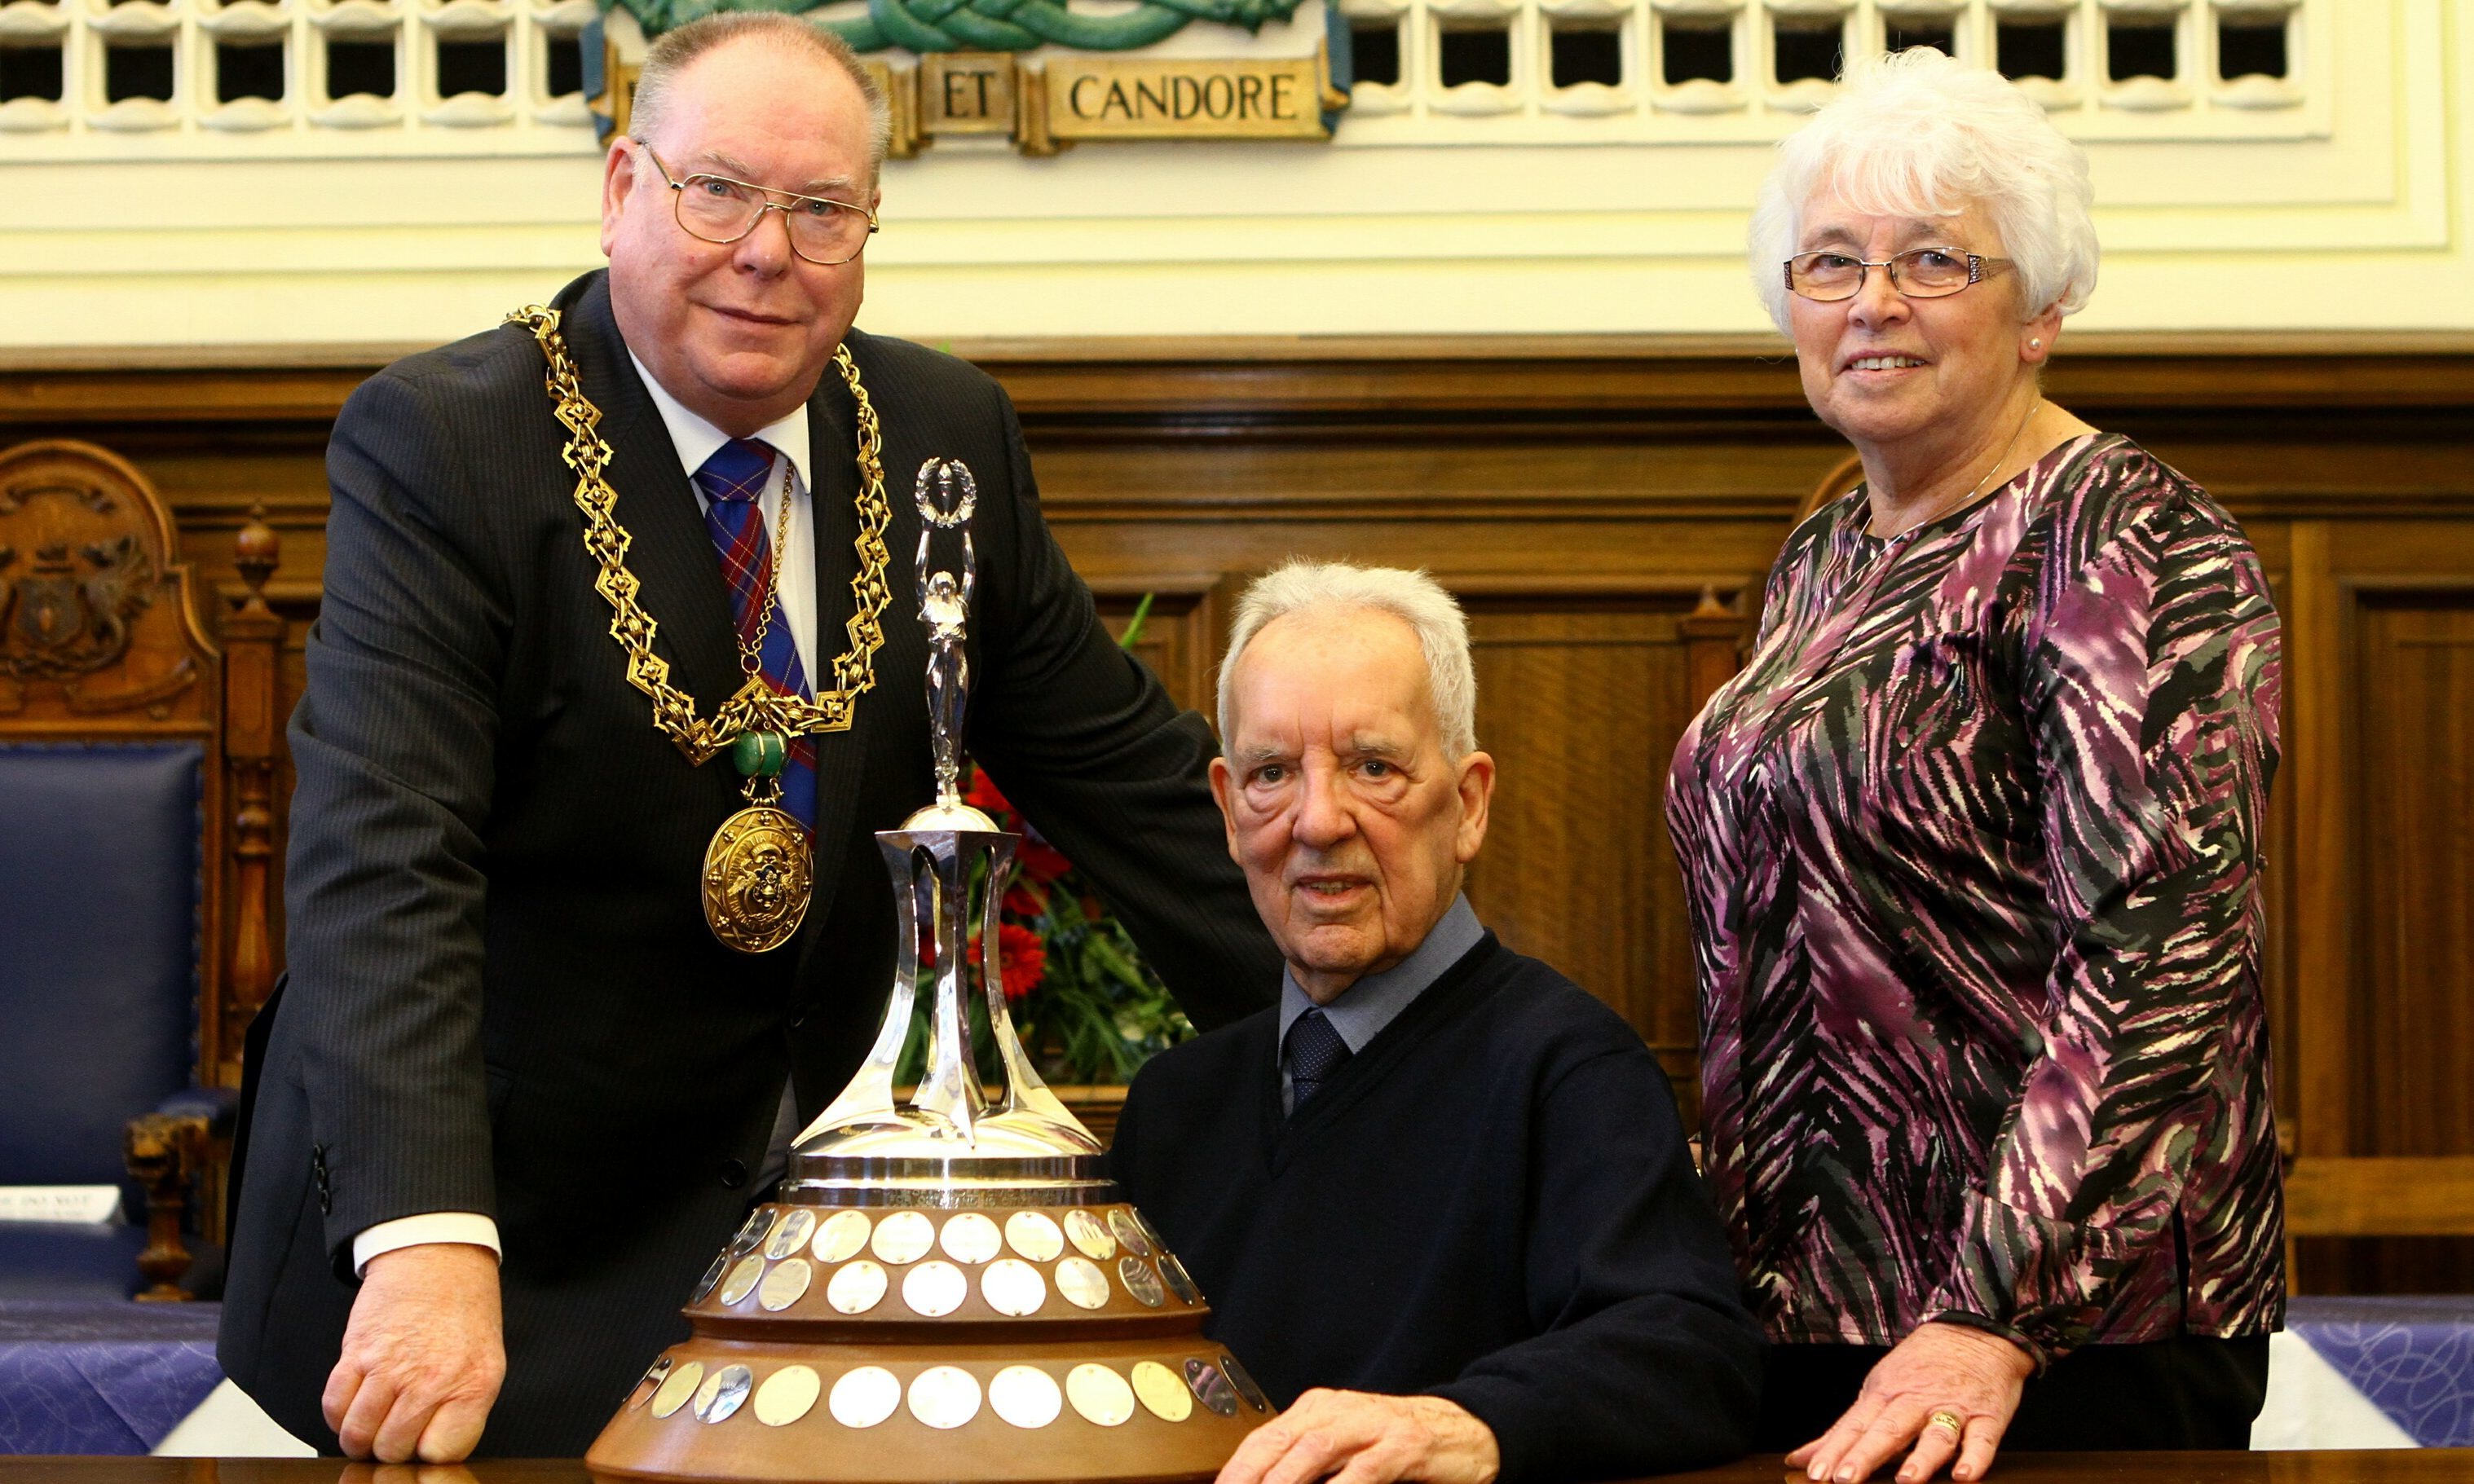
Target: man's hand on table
(422,1356)
(1356,1437)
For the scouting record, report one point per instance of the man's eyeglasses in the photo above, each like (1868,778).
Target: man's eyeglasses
(1920,273)
(719,209)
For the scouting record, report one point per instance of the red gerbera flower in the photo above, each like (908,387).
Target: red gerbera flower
(983,796)
(1026,958)
(1041,861)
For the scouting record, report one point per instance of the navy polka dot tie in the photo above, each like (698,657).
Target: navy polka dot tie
(1315,1052)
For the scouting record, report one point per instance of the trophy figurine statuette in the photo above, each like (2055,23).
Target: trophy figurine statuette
(947,1288)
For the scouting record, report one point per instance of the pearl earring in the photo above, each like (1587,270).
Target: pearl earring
(2035,344)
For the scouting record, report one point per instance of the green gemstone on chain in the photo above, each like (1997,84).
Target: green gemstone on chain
(759,754)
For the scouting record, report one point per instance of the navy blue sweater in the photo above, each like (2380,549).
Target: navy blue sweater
(1491,1203)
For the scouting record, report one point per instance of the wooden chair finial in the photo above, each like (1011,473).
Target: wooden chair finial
(257,549)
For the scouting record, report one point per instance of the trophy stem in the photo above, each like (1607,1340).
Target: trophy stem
(950,1087)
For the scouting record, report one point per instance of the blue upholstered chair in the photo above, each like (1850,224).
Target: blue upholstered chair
(135,765)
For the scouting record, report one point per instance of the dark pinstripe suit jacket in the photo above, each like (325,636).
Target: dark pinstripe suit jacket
(502,995)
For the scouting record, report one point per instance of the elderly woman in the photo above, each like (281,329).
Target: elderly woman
(1973,845)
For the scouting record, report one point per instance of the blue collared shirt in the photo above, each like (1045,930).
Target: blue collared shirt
(1373,1002)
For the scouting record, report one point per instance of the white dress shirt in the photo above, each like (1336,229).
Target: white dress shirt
(795,577)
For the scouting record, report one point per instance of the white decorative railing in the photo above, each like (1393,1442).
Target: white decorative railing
(288,79)
(271,79)
(1704,71)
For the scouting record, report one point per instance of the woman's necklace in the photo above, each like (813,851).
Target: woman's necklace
(1947,506)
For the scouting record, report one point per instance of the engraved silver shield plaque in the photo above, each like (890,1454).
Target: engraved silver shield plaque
(677,1387)
(1162,1391)
(905,1237)
(1210,1387)
(1140,1281)
(1026,1396)
(788,1395)
(934,1289)
(970,1238)
(1083,1284)
(790,1234)
(1088,1234)
(945,1396)
(1034,1234)
(1101,1395)
(742,1281)
(723,1392)
(839,1237)
(1013,1286)
(856,1288)
(784,1285)
(1179,1281)
(864,1397)
(1121,1223)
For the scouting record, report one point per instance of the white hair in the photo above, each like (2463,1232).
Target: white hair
(1336,587)
(669,56)
(1918,135)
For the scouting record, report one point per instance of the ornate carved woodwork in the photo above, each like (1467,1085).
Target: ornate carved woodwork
(253,717)
(105,636)
(1608,507)
(94,614)
(166,1153)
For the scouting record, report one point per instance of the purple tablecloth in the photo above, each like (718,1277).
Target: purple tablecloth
(99,1377)
(2411,1355)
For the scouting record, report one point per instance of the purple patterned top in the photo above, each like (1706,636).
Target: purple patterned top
(1973,850)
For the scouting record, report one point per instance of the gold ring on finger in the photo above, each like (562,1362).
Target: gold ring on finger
(1949,1422)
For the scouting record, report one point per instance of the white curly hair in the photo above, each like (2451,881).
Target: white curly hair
(1918,135)
(1414,598)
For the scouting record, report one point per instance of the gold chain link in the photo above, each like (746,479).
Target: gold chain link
(756,707)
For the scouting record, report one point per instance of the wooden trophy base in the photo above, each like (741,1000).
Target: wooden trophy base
(903,1345)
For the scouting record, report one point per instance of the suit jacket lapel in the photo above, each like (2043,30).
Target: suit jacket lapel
(841,756)
(670,552)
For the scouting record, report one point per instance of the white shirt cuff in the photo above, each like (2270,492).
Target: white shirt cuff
(446,1226)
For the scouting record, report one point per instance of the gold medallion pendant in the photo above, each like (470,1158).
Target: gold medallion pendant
(757,872)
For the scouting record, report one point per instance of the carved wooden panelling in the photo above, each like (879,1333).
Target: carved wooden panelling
(1181,636)
(2414,943)
(1581,705)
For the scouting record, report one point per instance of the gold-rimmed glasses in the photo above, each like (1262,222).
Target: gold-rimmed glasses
(1827,276)
(719,209)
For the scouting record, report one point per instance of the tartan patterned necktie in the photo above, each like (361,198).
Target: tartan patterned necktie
(1315,1052)
(732,483)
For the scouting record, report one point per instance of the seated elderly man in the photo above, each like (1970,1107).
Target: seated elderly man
(1439,1199)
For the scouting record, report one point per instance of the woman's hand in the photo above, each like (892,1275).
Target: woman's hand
(1938,1372)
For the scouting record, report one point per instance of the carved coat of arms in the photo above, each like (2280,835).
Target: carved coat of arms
(67,610)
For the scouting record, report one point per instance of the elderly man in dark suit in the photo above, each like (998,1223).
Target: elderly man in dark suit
(517,1092)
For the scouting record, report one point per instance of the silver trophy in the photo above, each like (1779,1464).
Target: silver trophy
(934,859)
(947,1290)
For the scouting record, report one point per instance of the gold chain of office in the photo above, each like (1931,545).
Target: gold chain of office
(756,707)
